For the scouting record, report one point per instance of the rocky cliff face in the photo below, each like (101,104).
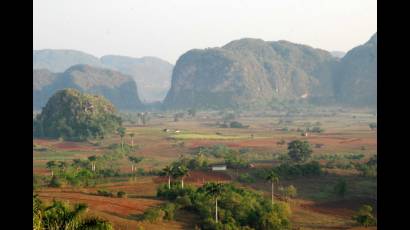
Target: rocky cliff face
(251,72)
(118,88)
(356,76)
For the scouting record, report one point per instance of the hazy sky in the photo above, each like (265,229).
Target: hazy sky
(169,28)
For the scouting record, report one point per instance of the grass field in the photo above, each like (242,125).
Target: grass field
(315,207)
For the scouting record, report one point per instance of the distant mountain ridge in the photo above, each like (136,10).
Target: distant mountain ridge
(252,72)
(153,75)
(249,72)
(118,88)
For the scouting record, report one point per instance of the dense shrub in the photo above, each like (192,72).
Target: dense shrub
(218,150)
(121,194)
(364,217)
(105,193)
(236,162)
(176,191)
(236,124)
(340,188)
(315,129)
(169,210)
(312,168)
(246,178)
(153,215)
(367,170)
(55,182)
(108,172)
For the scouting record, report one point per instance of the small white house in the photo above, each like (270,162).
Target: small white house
(219,168)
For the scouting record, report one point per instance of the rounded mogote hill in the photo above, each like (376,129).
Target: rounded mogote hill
(72,115)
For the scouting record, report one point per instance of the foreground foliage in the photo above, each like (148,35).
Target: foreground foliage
(60,215)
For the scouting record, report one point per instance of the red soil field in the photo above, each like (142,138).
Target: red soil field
(118,206)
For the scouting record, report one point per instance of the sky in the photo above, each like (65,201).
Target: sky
(169,28)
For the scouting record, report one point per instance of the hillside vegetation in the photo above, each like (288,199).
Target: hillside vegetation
(72,115)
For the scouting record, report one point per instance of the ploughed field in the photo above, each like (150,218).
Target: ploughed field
(313,208)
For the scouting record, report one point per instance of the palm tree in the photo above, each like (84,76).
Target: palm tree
(134,160)
(51,165)
(132,139)
(60,216)
(273,178)
(121,132)
(92,159)
(215,190)
(167,171)
(180,172)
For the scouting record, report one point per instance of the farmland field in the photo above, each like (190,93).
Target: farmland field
(316,206)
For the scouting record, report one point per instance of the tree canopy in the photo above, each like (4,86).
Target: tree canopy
(299,151)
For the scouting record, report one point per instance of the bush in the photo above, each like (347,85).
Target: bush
(246,178)
(316,129)
(153,215)
(290,191)
(319,146)
(340,188)
(105,193)
(367,170)
(312,168)
(169,209)
(55,182)
(364,217)
(236,124)
(176,191)
(121,194)
(183,201)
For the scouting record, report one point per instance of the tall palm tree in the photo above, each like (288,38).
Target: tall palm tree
(273,178)
(121,132)
(180,172)
(92,159)
(132,139)
(215,190)
(167,171)
(134,160)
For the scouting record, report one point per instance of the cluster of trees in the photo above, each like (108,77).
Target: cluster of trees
(224,206)
(87,171)
(180,115)
(175,171)
(233,124)
(217,151)
(60,215)
(368,169)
